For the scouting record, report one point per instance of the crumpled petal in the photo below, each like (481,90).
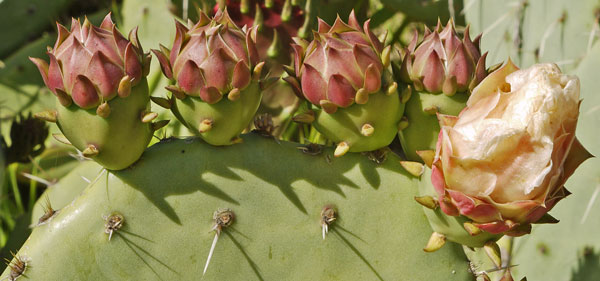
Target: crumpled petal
(504,160)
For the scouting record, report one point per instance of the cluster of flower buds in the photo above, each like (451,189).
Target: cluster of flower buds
(443,62)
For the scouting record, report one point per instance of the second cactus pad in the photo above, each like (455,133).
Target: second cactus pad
(279,197)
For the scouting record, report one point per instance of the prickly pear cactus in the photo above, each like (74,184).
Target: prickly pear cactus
(344,74)
(277,194)
(103,105)
(217,72)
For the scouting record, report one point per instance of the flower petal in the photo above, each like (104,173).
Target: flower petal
(190,78)
(241,75)
(340,91)
(372,79)
(55,77)
(84,94)
(165,65)
(104,74)
(133,67)
(210,95)
(217,70)
(461,66)
(313,85)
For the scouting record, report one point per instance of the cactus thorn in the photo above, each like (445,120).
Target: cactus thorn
(124,87)
(234,94)
(257,72)
(205,125)
(367,130)
(427,156)
(436,241)
(159,124)
(113,223)
(362,96)
(378,156)
(493,252)
(90,151)
(306,117)
(49,212)
(48,116)
(328,216)
(61,138)
(17,266)
(414,168)
(263,125)
(311,148)
(162,102)
(103,110)
(471,228)
(406,93)
(341,149)
(147,117)
(427,201)
(392,89)
(222,218)
(431,110)
(403,124)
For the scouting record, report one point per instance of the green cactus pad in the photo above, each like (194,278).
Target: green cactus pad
(277,193)
(59,195)
(120,138)
(229,118)
(451,226)
(382,112)
(423,127)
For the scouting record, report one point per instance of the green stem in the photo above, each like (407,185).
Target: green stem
(286,116)
(12,172)
(32,187)
(301,133)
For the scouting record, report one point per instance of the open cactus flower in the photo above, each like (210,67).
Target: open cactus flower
(344,74)
(501,165)
(98,77)
(217,75)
